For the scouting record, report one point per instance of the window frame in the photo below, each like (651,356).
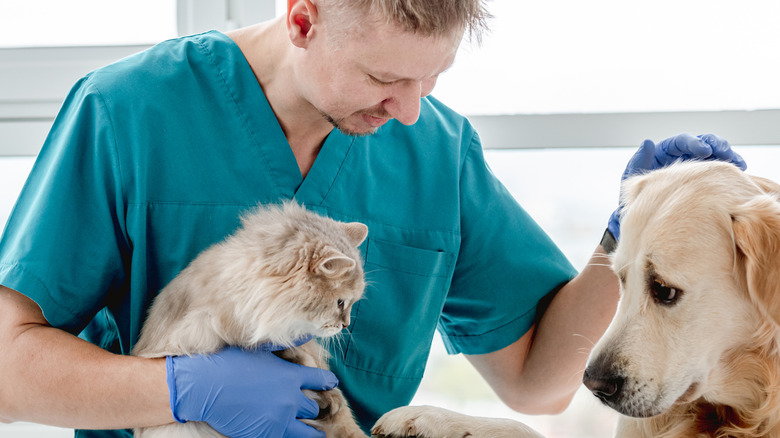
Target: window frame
(36,81)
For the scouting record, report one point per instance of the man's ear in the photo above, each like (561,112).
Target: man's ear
(301,15)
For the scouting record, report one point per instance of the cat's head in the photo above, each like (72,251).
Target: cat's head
(311,265)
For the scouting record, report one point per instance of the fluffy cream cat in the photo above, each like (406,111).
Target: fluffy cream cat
(285,274)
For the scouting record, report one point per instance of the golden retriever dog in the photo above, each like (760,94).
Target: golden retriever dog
(693,349)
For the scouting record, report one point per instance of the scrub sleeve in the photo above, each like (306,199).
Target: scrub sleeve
(64,243)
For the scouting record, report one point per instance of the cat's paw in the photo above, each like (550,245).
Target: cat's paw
(432,422)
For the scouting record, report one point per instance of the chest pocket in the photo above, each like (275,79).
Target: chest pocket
(392,327)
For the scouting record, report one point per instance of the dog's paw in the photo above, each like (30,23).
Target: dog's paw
(402,423)
(432,422)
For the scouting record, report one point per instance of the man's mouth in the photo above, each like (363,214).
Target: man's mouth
(374,121)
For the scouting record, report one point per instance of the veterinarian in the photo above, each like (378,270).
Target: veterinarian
(153,158)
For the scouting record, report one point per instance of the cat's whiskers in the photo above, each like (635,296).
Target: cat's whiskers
(367,275)
(335,343)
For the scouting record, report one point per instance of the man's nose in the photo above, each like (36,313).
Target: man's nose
(404,104)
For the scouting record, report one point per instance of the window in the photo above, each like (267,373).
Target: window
(569,56)
(54,23)
(30,430)
(13,173)
(46,45)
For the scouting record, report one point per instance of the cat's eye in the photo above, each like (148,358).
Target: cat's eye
(664,294)
(340,303)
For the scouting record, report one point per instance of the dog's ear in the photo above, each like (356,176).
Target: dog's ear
(631,187)
(767,185)
(757,237)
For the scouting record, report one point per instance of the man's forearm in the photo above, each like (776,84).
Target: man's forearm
(541,371)
(576,318)
(52,377)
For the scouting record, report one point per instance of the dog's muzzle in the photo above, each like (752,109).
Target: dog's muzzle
(605,387)
(606,380)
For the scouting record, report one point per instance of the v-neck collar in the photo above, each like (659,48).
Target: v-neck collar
(276,155)
(324,172)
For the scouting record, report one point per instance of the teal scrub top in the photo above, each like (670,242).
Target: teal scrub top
(155,157)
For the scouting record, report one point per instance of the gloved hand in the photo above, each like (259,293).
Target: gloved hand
(296,343)
(651,156)
(246,393)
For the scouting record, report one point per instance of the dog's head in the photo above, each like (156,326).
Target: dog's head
(699,267)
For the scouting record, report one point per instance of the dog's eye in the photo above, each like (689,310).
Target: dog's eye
(664,294)
(340,304)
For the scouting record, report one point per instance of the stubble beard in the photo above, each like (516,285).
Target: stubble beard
(339,124)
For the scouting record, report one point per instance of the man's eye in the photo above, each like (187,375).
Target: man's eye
(664,294)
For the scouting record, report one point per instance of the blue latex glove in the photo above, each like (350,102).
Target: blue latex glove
(651,156)
(296,343)
(246,393)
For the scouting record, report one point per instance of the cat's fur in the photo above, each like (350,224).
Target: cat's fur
(285,274)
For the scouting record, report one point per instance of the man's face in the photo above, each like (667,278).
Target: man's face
(376,73)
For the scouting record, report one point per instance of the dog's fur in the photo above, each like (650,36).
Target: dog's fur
(703,362)
(433,422)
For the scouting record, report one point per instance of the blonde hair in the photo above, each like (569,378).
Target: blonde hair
(423,17)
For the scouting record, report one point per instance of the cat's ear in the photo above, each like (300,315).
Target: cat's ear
(356,231)
(333,264)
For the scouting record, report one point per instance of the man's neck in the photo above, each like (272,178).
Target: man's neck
(269,53)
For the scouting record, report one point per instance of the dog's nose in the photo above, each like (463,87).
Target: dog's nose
(605,387)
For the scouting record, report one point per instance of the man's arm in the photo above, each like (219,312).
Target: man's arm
(540,372)
(52,377)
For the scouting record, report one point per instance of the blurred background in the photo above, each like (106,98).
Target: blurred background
(561,91)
